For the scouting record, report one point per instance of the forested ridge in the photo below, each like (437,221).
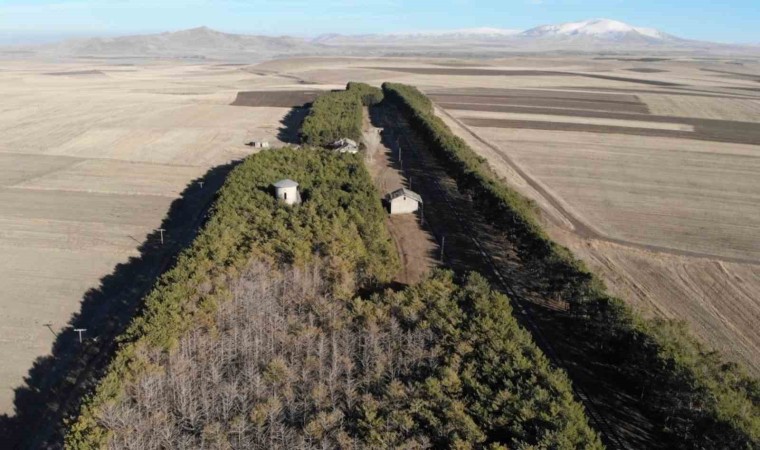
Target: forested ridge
(699,400)
(257,337)
(436,365)
(341,221)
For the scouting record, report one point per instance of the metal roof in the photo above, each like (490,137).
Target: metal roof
(405,193)
(286,183)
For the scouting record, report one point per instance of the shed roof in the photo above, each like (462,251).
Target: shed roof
(286,183)
(347,149)
(344,142)
(404,192)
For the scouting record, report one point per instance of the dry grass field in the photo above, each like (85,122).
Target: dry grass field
(662,201)
(91,159)
(646,168)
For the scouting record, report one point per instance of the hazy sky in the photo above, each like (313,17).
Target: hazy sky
(726,21)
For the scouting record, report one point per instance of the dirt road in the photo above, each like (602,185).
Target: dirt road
(415,244)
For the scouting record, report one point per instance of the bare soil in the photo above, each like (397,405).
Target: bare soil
(78,73)
(532,94)
(735,75)
(469,102)
(704,129)
(684,92)
(646,70)
(706,283)
(548,98)
(279,99)
(521,73)
(599,119)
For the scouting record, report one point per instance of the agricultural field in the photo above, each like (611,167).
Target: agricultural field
(657,192)
(92,158)
(646,169)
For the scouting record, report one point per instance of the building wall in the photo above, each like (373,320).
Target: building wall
(403,205)
(288,195)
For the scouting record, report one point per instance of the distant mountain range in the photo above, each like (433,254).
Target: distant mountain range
(587,36)
(596,35)
(200,43)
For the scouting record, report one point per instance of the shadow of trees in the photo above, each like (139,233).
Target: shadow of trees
(290,125)
(56,383)
(452,213)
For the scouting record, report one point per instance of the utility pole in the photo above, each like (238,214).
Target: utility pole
(443,244)
(49,326)
(201,183)
(161,230)
(80,331)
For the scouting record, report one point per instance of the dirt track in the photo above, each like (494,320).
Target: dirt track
(416,247)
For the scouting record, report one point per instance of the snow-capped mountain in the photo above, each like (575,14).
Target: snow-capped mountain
(587,35)
(596,28)
(599,30)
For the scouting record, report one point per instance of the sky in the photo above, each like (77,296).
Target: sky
(736,21)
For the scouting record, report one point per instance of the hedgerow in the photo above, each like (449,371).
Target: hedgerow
(369,95)
(341,222)
(490,387)
(700,400)
(336,115)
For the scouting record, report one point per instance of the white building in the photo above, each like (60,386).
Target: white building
(403,201)
(287,191)
(345,145)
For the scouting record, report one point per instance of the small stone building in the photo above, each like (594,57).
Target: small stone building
(403,201)
(287,191)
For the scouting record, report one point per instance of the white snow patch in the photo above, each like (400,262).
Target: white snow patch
(593,27)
